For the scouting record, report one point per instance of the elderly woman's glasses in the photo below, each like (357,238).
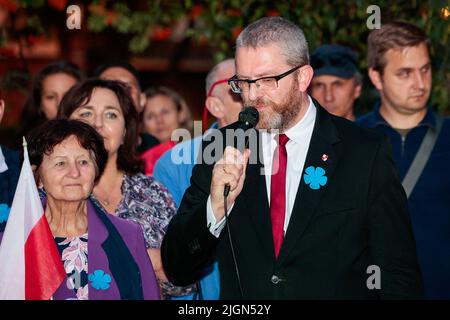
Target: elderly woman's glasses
(264,83)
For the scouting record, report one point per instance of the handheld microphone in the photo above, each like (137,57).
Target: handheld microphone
(248,118)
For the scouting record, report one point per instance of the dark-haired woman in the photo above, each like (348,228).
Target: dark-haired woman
(48,88)
(123,190)
(104,257)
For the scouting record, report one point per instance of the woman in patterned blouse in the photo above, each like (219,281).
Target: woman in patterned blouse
(123,190)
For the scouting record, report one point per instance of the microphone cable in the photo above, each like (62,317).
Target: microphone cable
(226,191)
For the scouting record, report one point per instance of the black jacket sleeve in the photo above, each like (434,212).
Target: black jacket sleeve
(392,241)
(188,245)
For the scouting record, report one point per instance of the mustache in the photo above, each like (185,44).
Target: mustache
(258,101)
(419,93)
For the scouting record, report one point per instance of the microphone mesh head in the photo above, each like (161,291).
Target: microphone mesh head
(249,116)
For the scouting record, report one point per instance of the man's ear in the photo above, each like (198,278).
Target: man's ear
(2,109)
(375,77)
(215,107)
(358,90)
(305,76)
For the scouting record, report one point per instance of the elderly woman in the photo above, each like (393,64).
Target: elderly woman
(123,190)
(104,256)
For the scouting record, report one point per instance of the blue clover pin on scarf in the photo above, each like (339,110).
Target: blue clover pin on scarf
(315,177)
(100,280)
(4,212)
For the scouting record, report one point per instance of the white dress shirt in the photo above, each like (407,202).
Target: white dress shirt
(3,166)
(297,148)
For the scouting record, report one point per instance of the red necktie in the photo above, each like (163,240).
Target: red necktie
(278,192)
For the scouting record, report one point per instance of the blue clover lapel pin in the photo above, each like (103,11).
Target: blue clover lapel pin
(100,280)
(315,177)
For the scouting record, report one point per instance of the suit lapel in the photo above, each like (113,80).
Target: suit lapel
(323,152)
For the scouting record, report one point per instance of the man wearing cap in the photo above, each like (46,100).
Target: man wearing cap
(337,82)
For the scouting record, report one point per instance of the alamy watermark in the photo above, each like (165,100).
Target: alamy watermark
(73,17)
(374,20)
(374,280)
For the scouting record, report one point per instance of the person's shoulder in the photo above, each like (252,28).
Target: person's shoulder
(11,156)
(187,143)
(366,120)
(12,159)
(124,226)
(445,130)
(354,132)
(140,180)
(166,158)
(130,230)
(145,183)
(176,160)
(159,149)
(446,122)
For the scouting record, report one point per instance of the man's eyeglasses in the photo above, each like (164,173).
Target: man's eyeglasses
(264,83)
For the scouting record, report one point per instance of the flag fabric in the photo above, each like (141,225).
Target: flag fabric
(30,264)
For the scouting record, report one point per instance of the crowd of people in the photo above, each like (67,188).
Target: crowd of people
(340,191)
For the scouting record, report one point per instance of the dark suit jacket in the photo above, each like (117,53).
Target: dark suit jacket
(8,182)
(358,219)
(9,178)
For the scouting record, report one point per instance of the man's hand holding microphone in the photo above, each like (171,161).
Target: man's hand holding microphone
(228,174)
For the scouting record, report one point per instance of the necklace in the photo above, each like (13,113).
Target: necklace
(106,201)
(103,201)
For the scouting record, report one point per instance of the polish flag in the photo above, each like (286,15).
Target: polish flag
(30,264)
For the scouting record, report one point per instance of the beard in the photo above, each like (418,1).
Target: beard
(278,116)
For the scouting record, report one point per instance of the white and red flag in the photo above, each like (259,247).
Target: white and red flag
(30,265)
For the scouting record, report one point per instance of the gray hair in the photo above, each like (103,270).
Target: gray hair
(276,30)
(213,73)
(358,78)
